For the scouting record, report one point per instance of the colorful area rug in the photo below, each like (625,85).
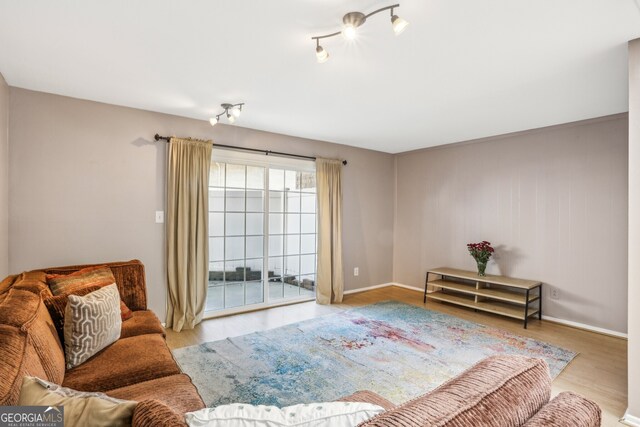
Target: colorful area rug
(397,350)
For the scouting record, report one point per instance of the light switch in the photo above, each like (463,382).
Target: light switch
(159,217)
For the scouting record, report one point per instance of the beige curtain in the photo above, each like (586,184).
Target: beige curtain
(187,231)
(330,280)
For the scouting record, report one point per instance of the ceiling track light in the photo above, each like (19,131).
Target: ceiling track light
(231,112)
(352,21)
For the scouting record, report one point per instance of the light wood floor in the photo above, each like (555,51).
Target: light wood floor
(599,372)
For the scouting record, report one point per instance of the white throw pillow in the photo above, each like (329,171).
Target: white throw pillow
(329,414)
(91,323)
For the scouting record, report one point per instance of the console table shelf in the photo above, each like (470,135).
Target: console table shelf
(501,295)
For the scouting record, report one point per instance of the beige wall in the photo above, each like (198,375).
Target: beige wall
(634,230)
(4,177)
(87,179)
(553,201)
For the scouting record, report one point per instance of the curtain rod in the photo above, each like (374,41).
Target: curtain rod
(157,137)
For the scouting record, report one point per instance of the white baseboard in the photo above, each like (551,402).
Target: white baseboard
(630,420)
(384,285)
(413,288)
(585,327)
(368,288)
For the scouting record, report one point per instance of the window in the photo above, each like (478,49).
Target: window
(262,218)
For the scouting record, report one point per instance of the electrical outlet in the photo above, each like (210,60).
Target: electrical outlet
(159,217)
(555,294)
(356,271)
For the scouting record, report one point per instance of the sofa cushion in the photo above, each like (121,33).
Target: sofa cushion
(142,322)
(125,362)
(42,336)
(567,410)
(90,276)
(32,281)
(6,283)
(18,307)
(500,391)
(80,408)
(176,391)
(91,323)
(33,276)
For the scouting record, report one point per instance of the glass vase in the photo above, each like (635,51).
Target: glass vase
(482,266)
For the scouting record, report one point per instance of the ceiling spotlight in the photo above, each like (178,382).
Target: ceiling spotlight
(398,24)
(349,32)
(321,54)
(231,111)
(352,21)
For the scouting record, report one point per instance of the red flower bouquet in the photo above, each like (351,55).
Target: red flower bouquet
(481,252)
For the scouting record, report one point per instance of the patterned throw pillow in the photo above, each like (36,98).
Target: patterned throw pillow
(91,323)
(90,276)
(58,304)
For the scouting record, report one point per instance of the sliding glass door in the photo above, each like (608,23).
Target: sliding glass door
(236,235)
(292,234)
(262,234)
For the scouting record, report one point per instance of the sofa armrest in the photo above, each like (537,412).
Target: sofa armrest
(567,410)
(500,391)
(367,396)
(153,413)
(129,276)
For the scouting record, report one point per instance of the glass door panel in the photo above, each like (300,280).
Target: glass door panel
(236,229)
(262,236)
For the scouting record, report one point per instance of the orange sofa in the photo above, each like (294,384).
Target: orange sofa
(139,366)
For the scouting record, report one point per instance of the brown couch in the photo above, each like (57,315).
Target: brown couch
(139,366)
(500,391)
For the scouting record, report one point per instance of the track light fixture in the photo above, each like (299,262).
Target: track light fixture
(231,111)
(321,54)
(352,21)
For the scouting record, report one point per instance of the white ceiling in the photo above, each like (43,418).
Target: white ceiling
(463,69)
